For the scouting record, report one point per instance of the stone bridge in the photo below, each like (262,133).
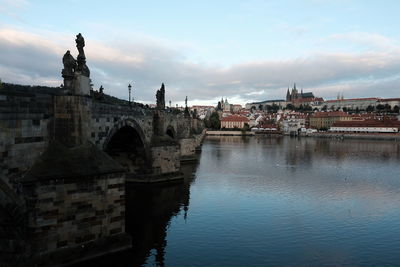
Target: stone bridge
(142,140)
(65,156)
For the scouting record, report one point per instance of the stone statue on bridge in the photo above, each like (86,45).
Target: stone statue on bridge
(75,72)
(187,113)
(69,65)
(160,96)
(82,67)
(80,44)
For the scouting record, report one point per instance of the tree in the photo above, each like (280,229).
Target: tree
(246,127)
(380,107)
(275,107)
(307,107)
(370,108)
(260,107)
(214,121)
(324,108)
(396,109)
(290,106)
(1,84)
(388,108)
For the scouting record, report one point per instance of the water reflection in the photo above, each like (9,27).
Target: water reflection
(258,201)
(290,201)
(149,212)
(149,209)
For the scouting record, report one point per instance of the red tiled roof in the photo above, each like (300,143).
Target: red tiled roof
(235,118)
(389,99)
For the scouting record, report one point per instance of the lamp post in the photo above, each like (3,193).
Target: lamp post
(129,89)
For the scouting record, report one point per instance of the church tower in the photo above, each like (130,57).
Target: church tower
(295,94)
(288,95)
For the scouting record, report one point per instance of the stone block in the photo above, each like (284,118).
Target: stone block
(82,85)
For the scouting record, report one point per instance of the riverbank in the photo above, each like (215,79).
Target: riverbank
(369,136)
(230,133)
(359,136)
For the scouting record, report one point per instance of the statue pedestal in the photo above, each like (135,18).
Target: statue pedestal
(81,85)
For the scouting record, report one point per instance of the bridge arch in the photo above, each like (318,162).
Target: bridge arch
(127,145)
(171,132)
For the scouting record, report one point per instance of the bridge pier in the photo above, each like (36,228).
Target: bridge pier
(72,115)
(76,214)
(165,165)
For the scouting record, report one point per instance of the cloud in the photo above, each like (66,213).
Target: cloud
(9,8)
(28,58)
(372,41)
(11,4)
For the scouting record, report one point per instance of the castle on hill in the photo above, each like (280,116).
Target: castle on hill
(290,96)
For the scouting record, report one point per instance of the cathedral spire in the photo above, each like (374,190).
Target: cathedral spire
(288,95)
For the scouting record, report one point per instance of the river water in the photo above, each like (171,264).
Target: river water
(259,201)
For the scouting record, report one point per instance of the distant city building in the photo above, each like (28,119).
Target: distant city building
(233,121)
(295,94)
(265,105)
(352,104)
(204,112)
(324,120)
(293,125)
(394,103)
(236,108)
(313,102)
(293,97)
(266,128)
(225,106)
(366,126)
(307,102)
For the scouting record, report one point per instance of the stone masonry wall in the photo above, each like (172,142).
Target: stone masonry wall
(166,159)
(24,123)
(72,119)
(70,213)
(188,145)
(199,137)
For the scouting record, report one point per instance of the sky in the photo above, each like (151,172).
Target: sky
(241,50)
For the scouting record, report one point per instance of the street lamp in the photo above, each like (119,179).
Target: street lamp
(129,89)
